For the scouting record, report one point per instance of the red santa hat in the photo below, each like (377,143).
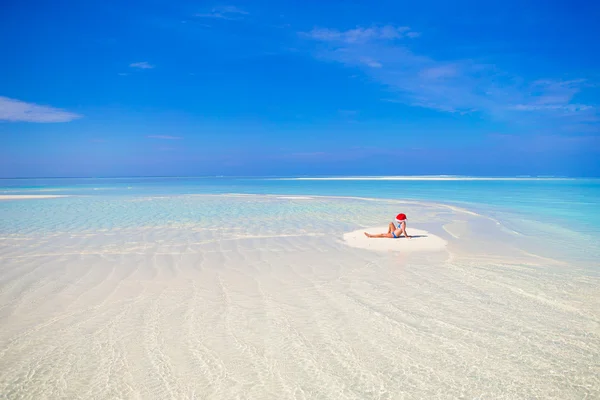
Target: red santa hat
(400,217)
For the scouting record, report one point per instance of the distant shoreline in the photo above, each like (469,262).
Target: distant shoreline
(29,196)
(331,177)
(425,178)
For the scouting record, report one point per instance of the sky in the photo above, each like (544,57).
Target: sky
(182,88)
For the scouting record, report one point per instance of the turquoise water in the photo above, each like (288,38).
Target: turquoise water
(574,202)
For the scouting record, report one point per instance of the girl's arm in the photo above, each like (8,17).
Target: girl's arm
(404,230)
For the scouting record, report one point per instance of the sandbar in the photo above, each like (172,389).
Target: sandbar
(421,241)
(29,196)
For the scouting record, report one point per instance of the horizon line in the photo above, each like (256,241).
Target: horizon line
(440,177)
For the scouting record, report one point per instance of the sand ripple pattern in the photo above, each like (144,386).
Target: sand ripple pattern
(257,297)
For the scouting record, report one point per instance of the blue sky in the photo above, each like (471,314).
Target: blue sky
(106,88)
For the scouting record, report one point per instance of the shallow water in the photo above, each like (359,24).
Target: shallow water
(159,294)
(573,202)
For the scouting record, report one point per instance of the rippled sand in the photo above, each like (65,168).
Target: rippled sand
(258,297)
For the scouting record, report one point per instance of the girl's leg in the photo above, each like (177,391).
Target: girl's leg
(391,227)
(381,235)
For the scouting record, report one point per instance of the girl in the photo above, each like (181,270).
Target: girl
(393,231)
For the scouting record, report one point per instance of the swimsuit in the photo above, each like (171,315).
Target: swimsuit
(399,227)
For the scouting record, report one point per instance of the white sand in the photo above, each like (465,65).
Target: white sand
(29,196)
(421,178)
(295,197)
(280,307)
(421,241)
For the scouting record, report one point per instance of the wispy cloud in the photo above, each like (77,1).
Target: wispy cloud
(19,111)
(566,108)
(224,12)
(361,35)
(164,137)
(439,72)
(141,65)
(371,63)
(555,96)
(457,86)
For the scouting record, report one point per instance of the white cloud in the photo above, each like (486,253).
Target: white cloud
(141,65)
(361,35)
(457,86)
(567,108)
(164,137)
(224,12)
(19,111)
(230,10)
(371,63)
(439,72)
